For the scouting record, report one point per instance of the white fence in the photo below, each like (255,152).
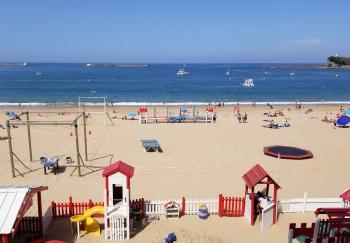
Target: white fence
(118,228)
(297,205)
(191,206)
(156,207)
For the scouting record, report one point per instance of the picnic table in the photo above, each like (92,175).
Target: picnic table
(50,163)
(150,145)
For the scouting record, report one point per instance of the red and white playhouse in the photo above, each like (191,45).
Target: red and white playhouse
(267,204)
(14,203)
(117,200)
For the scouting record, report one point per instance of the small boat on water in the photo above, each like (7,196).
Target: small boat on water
(25,64)
(182,71)
(337,75)
(248,83)
(38,73)
(228,71)
(292,73)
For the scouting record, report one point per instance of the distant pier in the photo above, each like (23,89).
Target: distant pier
(118,65)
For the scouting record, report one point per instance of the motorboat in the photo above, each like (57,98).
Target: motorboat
(248,83)
(182,71)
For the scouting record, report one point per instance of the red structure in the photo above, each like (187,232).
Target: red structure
(346,195)
(257,175)
(231,206)
(118,173)
(70,208)
(20,224)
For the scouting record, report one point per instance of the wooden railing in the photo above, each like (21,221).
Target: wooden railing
(231,206)
(29,226)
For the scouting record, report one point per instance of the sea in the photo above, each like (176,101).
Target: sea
(57,83)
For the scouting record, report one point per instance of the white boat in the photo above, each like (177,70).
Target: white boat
(248,83)
(228,71)
(182,71)
(292,73)
(337,75)
(88,64)
(25,64)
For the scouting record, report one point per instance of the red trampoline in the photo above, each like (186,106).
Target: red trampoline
(287,152)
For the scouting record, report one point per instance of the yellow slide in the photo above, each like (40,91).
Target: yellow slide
(90,224)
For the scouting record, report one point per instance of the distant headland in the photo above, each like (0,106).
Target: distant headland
(338,61)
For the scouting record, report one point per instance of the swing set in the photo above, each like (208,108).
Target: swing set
(28,123)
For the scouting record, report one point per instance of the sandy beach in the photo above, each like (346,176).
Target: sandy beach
(198,161)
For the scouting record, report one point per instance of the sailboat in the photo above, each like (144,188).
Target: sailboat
(92,89)
(292,73)
(25,64)
(182,71)
(228,71)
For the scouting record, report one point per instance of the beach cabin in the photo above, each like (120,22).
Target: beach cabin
(15,201)
(259,203)
(143,114)
(117,200)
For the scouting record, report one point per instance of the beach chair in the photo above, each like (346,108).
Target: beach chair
(69,160)
(151,145)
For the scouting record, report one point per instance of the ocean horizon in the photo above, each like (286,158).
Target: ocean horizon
(63,83)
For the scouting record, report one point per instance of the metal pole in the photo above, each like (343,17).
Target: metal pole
(29,138)
(77,146)
(10,148)
(104,110)
(85,139)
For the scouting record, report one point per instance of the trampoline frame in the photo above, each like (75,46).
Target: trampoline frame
(308,154)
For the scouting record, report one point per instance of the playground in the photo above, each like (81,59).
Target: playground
(199,161)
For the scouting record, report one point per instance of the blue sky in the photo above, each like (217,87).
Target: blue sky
(172,31)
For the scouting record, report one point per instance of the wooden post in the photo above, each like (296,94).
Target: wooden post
(53,209)
(267,188)
(275,206)
(5,239)
(71,213)
(304,202)
(10,148)
(220,206)
(40,214)
(85,139)
(183,206)
(77,147)
(252,207)
(29,138)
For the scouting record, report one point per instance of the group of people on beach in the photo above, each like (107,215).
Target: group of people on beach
(241,117)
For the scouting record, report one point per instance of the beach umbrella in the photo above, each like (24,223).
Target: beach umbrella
(132,114)
(343,120)
(347,112)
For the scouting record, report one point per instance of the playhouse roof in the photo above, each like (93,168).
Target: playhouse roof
(256,175)
(346,195)
(14,201)
(119,166)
